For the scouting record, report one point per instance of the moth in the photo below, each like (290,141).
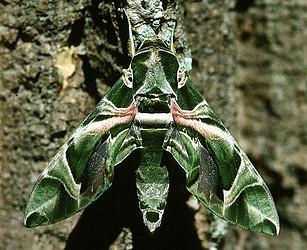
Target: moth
(154,107)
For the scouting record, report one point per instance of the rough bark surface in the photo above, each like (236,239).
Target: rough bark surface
(249,61)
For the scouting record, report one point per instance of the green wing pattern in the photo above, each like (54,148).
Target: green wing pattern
(154,106)
(83,168)
(218,172)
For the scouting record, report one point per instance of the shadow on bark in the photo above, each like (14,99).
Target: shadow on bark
(102,222)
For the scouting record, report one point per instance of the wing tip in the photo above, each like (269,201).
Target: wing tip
(272,229)
(266,227)
(35,219)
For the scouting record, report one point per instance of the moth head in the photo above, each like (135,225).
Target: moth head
(128,77)
(181,77)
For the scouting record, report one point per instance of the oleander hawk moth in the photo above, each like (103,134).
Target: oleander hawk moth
(154,107)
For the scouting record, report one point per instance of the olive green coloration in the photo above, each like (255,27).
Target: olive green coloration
(154,107)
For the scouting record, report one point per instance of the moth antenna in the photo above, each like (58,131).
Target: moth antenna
(131,40)
(172,39)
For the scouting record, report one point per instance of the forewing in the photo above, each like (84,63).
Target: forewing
(83,168)
(219,173)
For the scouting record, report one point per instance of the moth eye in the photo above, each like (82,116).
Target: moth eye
(128,77)
(181,77)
